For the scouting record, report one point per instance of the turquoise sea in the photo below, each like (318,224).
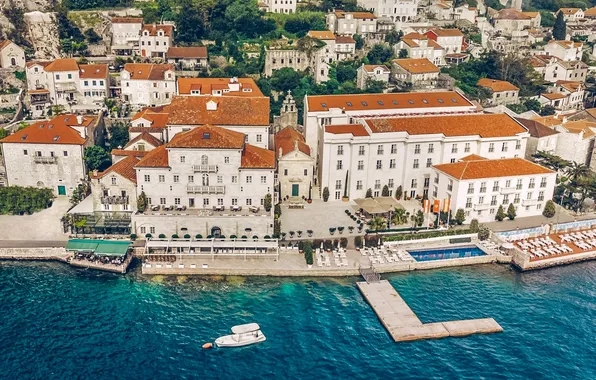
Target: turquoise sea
(57,322)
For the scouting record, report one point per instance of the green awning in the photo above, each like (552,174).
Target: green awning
(99,247)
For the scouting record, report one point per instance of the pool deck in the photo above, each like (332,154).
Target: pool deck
(404,326)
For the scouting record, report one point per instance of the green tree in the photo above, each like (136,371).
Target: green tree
(345,71)
(325,194)
(377,223)
(368,193)
(500,215)
(474,226)
(403,53)
(17,200)
(379,54)
(301,22)
(460,216)
(359,41)
(96,158)
(393,37)
(385,191)
(285,79)
(307,249)
(419,218)
(277,227)
(547,110)
(142,202)
(400,216)
(547,19)
(267,202)
(190,22)
(398,192)
(118,136)
(511,214)
(483,232)
(560,27)
(549,209)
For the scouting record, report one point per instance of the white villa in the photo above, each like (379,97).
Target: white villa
(147,85)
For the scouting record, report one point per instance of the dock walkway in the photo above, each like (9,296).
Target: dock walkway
(403,325)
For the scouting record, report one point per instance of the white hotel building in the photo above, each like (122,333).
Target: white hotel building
(402,151)
(202,169)
(479,186)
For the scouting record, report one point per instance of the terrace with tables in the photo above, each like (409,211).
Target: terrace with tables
(386,255)
(207,211)
(558,245)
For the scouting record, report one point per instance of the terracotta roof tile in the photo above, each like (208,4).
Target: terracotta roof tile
(566,43)
(417,65)
(147,137)
(207,85)
(168,30)
(55,131)
(497,85)
(353,129)
(507,167)
(208,137)
(321,34)
(145,129)
(124,167)
(40,63)
(447,32)
(157,158)
(4,43)
(473,157)
(483,125)
(371,68)
(96,71)
(230,110)
(133,153)
(63,64)
(536,128)
(127,20)
(393,101)
(187,52)
(157,116)
(147,71)
(553,96)
(549,121)
(257,158)
(590,12)
(571,86)
(286,139)
(569,11)
(581,126)
(345,40)
(511,14)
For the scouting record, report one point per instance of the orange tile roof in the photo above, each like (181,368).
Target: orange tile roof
(531,14)
(580,126)
(147,137)
(571,86)
(447,32)
(55,131)
(549,121)
(187,52)
(157,116)
(512,14)
(392,101)
(63,64)
(231,110)
(483,125)
(371,68)
(4,43)
(497,85)
(40,91)
(127,20)
(321,34)
(345,40)
(206,85)
(133,153)
(40,63)
(145,129)
(536,128)
(168,30)
(124,167)
(417,65)
(569,11)
(473,157)
(257,158)
(286,140)
(95,71)
(208,137)
(590,12)
(356,15)
(354,129)
(554,96)
(506,167)
(566,43)
(147,71)
(157,158)
(410,42)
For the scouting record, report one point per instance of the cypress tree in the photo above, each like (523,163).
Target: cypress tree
(560,28)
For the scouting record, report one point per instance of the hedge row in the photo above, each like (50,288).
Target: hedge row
(426,235)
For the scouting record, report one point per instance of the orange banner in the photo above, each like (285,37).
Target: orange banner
(426,206)
(437,205)
(446,204)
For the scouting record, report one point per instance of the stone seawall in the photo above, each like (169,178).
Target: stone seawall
(34,254)
(527,265)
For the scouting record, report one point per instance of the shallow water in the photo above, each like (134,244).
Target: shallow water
(60,322)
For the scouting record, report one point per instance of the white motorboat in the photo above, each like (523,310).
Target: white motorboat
(242,335)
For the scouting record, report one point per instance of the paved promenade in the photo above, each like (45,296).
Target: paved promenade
(403,325)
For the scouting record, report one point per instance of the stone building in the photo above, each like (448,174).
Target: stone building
(188,57)
(147,85)
(11,55)
(350,23)
(295,166)
(125,35)
(155,40)
(367,73)
(502,92)
(417,72)
(115,189)
(288,115)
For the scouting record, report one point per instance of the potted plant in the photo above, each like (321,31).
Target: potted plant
(351,228)
(162,236)
(292,234)
(332,230)
(299,233)
(340,229)
(309,232)
(307,248)
(325,194)
(148,236)
(198,236)
(233,237)
(283,236)
(175,236)
(133,237)
(345,197)
(187,236)
(243,237)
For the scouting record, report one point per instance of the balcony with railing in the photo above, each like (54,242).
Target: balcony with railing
(205,168)
(115,200)
(66,87)
(481,206)
(45,160)
(205,189)
(530,202)
(508,190)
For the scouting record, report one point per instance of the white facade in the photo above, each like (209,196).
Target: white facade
(368,73)
(420,46)
(147,84)
(480,198)
(155,40)
(396,10)
(281,6)
(125,33)
(565,50)
(11,55)
(373,160)
(350,23)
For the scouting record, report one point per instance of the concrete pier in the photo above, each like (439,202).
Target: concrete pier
(403,325)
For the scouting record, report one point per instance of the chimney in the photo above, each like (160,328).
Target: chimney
(280,152)
(95,173)
(79,120)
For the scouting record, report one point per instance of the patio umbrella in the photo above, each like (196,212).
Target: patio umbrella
(376,209)
(388,202)
(366,202)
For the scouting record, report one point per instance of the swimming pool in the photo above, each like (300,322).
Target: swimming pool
(446,253)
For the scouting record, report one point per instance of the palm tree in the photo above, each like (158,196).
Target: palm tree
(377,223)
(575,171)
(399,216)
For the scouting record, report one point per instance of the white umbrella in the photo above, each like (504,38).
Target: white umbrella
(507,246)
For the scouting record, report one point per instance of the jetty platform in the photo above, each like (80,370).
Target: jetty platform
(403,325)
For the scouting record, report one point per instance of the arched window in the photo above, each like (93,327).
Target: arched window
(13,61)
(204,160)
(216,232)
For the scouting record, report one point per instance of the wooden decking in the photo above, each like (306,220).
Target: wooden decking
(403,325)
